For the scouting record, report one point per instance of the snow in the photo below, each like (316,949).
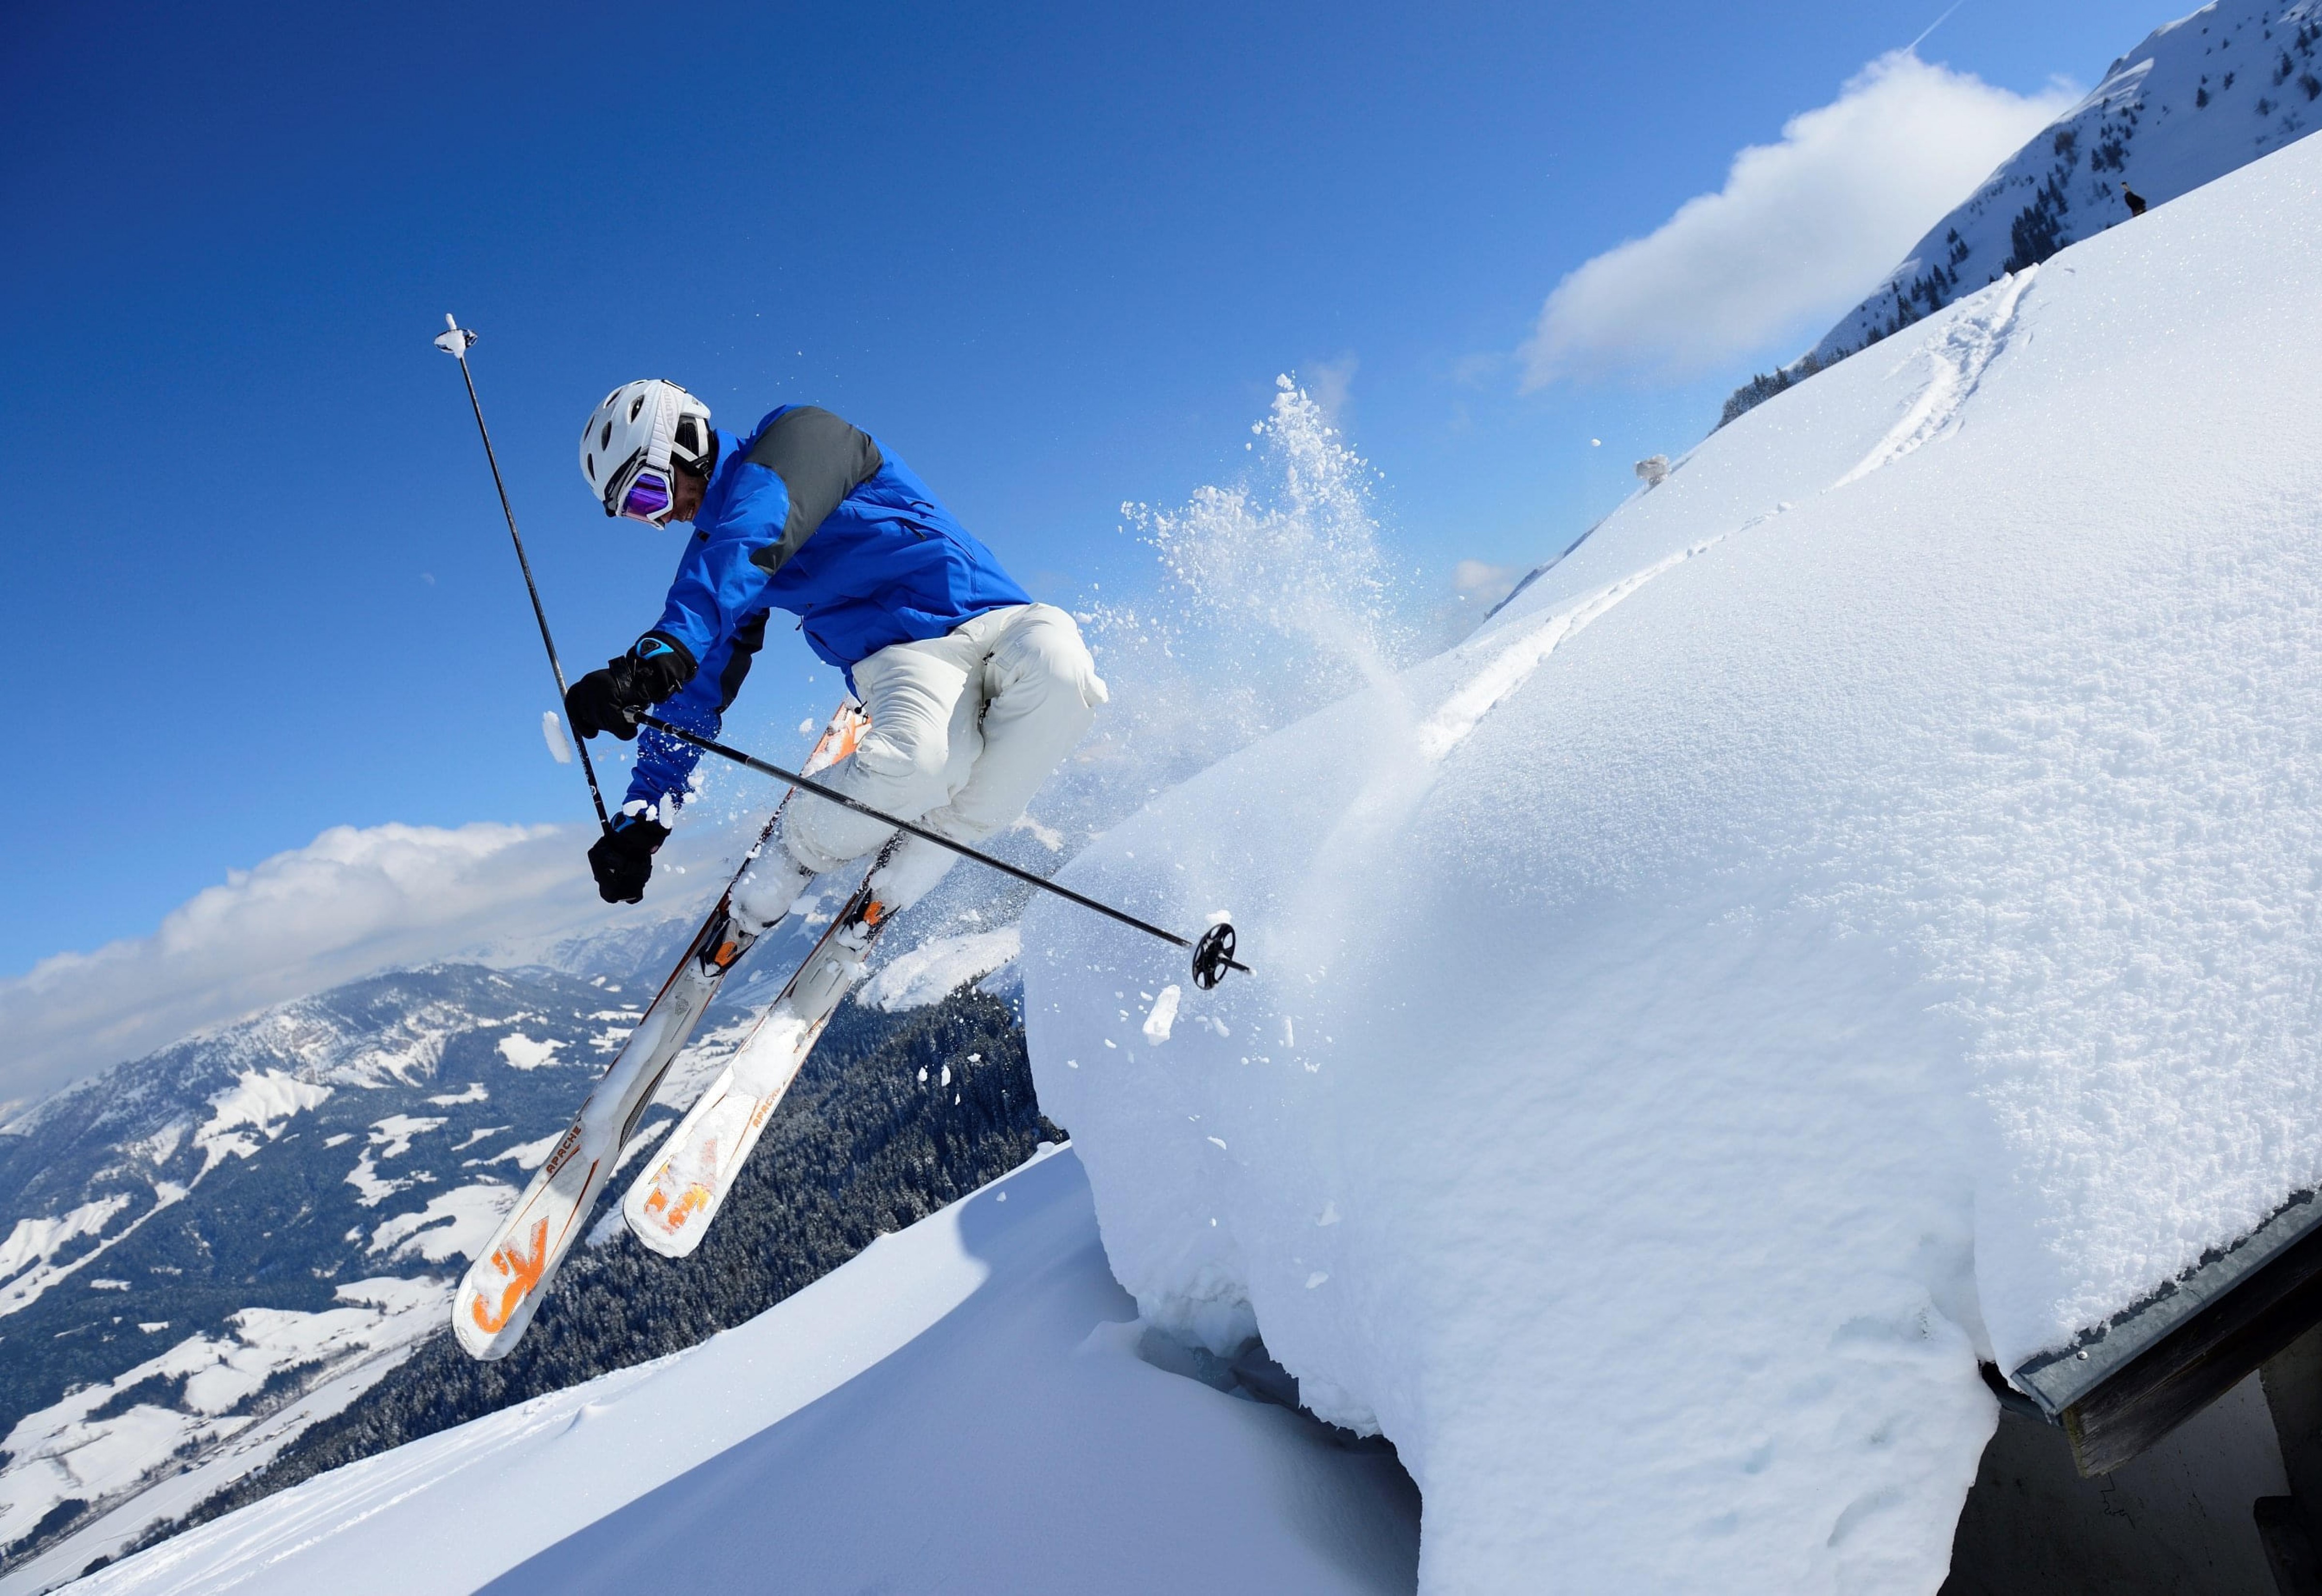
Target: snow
(392,1135)
(455,1224)
(375,1189)
(931,971)
(703,1060)
(961,1407)
(27,1288)
(522,1052)
(264,1100)
(1853,917)
(767,1060)
(1162,1015)
(36,1241)
(60,1452)
(1047,836)
(156,1148)
(524,1155)
(552,732)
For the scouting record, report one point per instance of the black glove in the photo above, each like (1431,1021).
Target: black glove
(623,858)
(656,666)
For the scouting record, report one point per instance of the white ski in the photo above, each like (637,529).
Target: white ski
(504,1286)
(670,1205)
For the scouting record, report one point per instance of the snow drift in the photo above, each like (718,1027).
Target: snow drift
(1855,916)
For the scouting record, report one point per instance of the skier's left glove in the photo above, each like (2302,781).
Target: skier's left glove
(623,858)
(607,700)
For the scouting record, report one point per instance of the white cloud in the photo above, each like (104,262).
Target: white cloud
(348,903)
(1480,585)
(1801,231)
(1477,585)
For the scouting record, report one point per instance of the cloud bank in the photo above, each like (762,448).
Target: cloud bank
(1801,231)
(348,903)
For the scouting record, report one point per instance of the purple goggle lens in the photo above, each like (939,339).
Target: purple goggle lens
(647,498)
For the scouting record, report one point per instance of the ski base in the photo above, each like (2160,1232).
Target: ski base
(670,1205)
(504,1287)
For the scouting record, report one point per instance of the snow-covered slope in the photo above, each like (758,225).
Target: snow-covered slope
(2196,99)
(1854,915)
(961,1408)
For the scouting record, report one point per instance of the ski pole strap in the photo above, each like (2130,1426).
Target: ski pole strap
(1213,953)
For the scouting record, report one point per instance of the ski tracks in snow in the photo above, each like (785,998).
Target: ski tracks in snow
(1500,665)
(1958,357)
(1511,665)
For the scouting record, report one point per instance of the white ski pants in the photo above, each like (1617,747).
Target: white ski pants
(963,729)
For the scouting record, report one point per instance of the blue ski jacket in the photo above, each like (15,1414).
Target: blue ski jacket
(811,515)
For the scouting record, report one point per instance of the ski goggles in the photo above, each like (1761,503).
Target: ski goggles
(642,492)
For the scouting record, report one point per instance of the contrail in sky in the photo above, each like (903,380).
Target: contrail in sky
(1931,26)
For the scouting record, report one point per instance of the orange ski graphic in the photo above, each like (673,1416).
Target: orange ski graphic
(691,1201)
(523,1271)
(696,1197)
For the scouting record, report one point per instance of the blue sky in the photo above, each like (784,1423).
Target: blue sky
(1055,257)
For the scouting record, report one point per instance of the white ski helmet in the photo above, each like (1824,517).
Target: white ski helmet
(634,438)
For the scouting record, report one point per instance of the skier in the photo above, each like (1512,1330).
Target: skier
(975,692)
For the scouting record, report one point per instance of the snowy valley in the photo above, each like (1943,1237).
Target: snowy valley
(262,1213)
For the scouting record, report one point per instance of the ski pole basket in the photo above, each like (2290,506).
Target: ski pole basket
(1214,955)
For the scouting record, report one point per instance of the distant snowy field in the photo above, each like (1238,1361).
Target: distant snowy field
(1856,915)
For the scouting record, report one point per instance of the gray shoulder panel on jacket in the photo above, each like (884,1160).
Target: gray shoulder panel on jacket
(821,459)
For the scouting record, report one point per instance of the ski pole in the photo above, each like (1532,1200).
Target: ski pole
(1212,952)
(454,341)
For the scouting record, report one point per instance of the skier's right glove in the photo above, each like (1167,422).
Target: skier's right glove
(623,858)
(607,700)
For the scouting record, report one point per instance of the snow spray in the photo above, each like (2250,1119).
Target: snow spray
(1275,598)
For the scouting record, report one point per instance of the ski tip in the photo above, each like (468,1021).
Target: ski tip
(501,1289)
(485,1347)
(665,1245)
